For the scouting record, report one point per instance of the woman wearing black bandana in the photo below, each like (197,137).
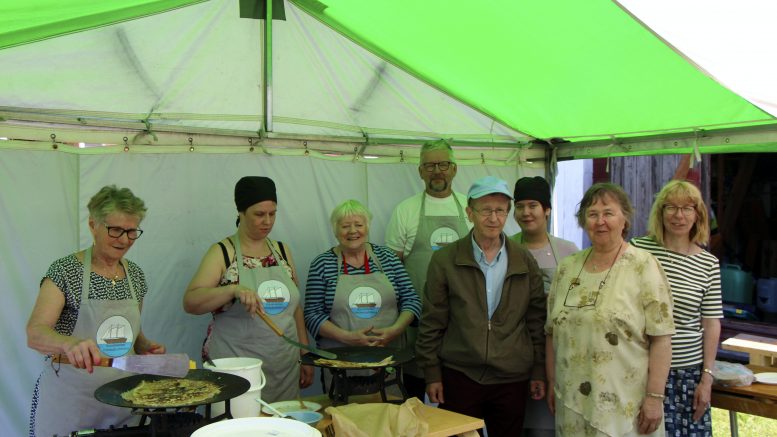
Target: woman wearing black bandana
(249,272)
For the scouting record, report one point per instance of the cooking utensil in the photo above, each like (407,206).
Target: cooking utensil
(364,354)
(175,365)
(277,330)
(209,361)
(230,386)
(270,407)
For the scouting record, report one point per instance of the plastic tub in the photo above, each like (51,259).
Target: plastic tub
(767,295)
(250,369)
(736,284)
(241,406)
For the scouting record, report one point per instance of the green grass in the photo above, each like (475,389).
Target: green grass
(749,426)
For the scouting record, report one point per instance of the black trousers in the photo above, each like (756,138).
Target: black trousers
(416,387)
(501,406)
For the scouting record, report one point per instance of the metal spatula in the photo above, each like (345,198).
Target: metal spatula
(175,365)
(277,330)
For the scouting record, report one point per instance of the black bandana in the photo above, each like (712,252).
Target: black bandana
(253,189)
(535,188)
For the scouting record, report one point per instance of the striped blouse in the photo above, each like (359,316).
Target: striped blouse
(322,281)
(695,284)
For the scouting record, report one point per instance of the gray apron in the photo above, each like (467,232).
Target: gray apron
(537,419)
(239,334)
(66,403)
(362,301)
(433,233)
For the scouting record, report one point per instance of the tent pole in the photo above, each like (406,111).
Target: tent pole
(267,58)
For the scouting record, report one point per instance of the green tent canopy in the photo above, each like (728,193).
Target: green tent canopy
(496,74)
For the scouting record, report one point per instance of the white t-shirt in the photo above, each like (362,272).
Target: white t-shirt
(403,225)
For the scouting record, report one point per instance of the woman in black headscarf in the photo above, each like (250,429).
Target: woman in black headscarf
(245,273)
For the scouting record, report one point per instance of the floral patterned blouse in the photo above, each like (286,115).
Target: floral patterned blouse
(601,337)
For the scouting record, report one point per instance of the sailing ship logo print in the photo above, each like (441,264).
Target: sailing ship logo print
(275,296)
(442,237)
(364,302)
(115,336)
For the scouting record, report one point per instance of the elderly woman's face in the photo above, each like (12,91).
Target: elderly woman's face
(679,216)
(604,222)
(259,219)
(114,223)
(352,232)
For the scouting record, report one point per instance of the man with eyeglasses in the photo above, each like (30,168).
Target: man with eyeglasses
(422,224)
(481,343)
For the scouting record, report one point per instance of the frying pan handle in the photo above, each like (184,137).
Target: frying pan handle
(270,323)
(62,359)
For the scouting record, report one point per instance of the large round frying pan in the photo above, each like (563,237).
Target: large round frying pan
(363,354)
(231,386)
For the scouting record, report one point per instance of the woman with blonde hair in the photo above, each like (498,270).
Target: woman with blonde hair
(677,227)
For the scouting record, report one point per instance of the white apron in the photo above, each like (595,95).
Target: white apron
(66,403)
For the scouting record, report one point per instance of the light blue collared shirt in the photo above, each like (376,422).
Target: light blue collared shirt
(495,273)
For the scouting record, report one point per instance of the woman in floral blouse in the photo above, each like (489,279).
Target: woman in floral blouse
(608,329)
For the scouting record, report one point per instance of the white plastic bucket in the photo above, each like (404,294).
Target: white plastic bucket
(248,368)
(244,405)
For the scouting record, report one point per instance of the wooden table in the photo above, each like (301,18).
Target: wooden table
(761,350)
(756,399)
(442,423)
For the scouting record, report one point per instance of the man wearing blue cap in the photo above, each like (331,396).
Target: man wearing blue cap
(481,343)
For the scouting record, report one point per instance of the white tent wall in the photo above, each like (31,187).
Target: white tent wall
(38,216)
(43,197)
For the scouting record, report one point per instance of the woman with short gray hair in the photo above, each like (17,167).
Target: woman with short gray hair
(609,322)
(88,307)
(354,263)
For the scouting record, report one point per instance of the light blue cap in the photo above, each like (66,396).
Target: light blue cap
(488,185)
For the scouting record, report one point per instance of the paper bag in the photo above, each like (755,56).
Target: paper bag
(379,420)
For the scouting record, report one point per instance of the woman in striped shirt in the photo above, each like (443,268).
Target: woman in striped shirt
(358,293)
(677,226)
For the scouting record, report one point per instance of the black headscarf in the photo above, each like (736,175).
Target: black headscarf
(535,188)
(253,189)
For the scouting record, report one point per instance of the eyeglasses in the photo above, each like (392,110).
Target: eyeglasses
(486,212)
(442,165)
(672,210)
(585,299)
(117,232)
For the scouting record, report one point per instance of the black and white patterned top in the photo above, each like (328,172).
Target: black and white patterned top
(695,284)
(67,273)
